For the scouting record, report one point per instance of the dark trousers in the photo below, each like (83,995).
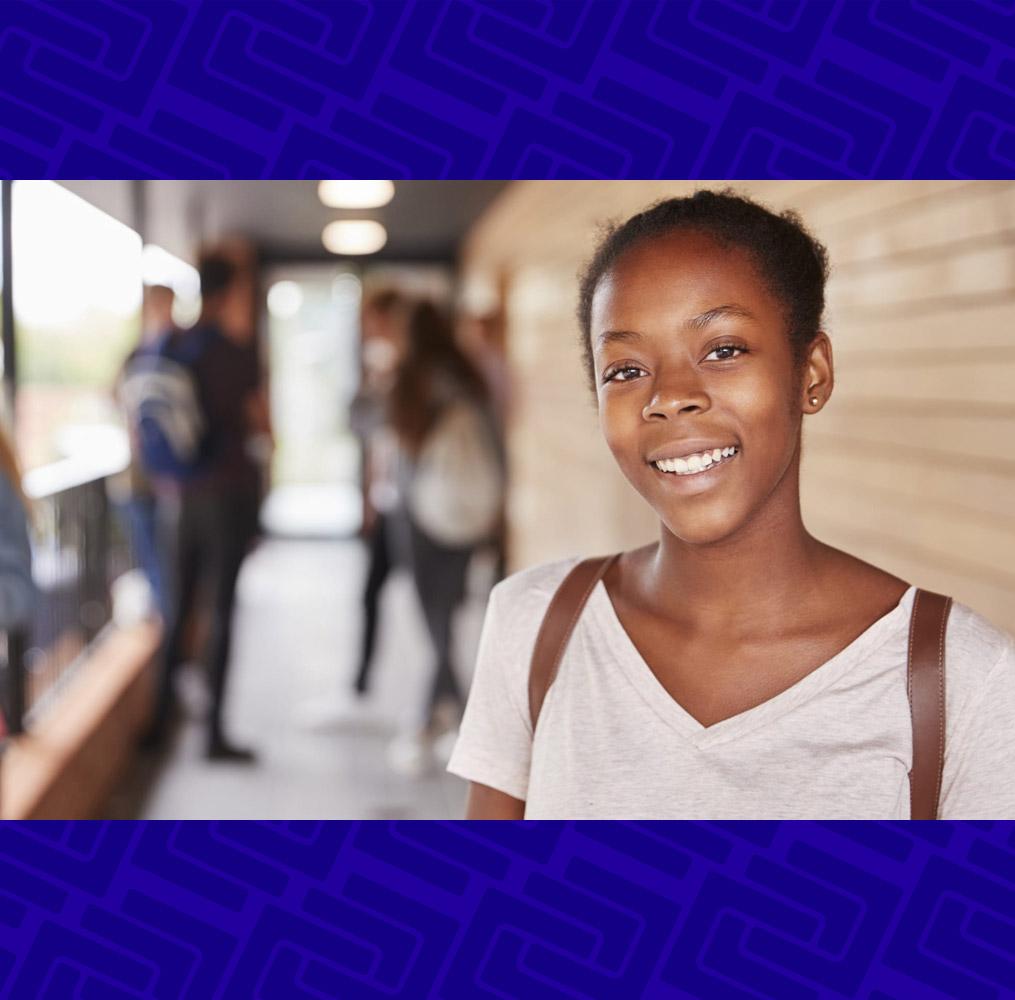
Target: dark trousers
(439,572)
(379,569)
(213,532)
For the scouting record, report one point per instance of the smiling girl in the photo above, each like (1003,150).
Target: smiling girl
(738,667)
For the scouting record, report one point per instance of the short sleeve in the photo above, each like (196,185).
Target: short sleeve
(494,743)
(980,753)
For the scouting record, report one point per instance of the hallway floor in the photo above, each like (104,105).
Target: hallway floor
(297,634)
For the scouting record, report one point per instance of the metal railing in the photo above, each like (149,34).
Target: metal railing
(78,550)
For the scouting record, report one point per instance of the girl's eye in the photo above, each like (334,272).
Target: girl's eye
(726,352)
(623,374)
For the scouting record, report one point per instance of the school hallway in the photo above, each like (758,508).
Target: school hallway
(296,640)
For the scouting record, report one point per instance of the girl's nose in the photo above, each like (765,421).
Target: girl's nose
(673,396)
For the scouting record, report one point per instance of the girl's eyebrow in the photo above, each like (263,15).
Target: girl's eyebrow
(702,320)
(616,336)
(698,322)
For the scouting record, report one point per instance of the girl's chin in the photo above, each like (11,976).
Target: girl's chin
(706,528)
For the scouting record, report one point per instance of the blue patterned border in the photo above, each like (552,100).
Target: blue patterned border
(289,910)
(507,88)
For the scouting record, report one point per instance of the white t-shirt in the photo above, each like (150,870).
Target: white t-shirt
(612,743)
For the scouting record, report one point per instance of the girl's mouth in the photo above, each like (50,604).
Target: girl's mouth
(693,465)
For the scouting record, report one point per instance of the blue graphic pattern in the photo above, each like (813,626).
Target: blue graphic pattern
(507,88)
(599,910)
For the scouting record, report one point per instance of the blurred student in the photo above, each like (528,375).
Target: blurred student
(133,492)
(451,484)
(17,590)
(482,338)
(217,496)
(383,343)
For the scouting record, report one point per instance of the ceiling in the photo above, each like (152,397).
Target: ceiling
(426,220)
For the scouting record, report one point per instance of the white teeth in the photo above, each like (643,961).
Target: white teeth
(695,463)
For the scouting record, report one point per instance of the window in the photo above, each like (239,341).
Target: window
(77,298)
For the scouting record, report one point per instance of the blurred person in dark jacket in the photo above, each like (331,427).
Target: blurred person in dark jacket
(218,506)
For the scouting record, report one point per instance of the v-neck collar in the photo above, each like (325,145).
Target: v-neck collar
(632,663)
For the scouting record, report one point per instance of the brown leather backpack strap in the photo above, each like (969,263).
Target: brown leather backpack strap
(926,688)
(558,623)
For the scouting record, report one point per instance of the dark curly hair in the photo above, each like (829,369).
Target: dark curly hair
(791,261)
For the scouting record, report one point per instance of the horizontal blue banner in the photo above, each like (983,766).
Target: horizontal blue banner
(265,910)
(507,89)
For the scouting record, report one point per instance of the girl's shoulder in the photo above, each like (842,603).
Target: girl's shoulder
(514,614)
(974,646)
(528,592)
(974,649)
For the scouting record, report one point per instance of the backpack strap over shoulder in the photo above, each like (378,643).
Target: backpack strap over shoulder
(558,623)
(926,689)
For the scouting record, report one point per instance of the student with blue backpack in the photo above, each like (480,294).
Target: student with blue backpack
(204,408)
(135,390)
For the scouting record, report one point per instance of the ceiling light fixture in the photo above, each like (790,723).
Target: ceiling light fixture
(354,236)
(284,299)
(355,194)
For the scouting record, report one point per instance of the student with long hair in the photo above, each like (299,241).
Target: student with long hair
(17,591)
(383,335)
(451,488)
(738,667)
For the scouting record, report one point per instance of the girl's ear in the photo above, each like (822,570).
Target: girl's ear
(819,374)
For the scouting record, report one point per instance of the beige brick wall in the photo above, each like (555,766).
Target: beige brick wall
(911,465)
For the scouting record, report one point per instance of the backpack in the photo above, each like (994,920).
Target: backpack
(161,395)
(456,486)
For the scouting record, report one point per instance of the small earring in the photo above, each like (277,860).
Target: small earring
(814,400)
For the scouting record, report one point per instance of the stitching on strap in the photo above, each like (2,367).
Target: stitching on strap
(941,702)
(909,676)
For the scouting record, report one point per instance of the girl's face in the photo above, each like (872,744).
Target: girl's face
(694,368)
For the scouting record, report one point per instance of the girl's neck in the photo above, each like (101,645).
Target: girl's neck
(758,575)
